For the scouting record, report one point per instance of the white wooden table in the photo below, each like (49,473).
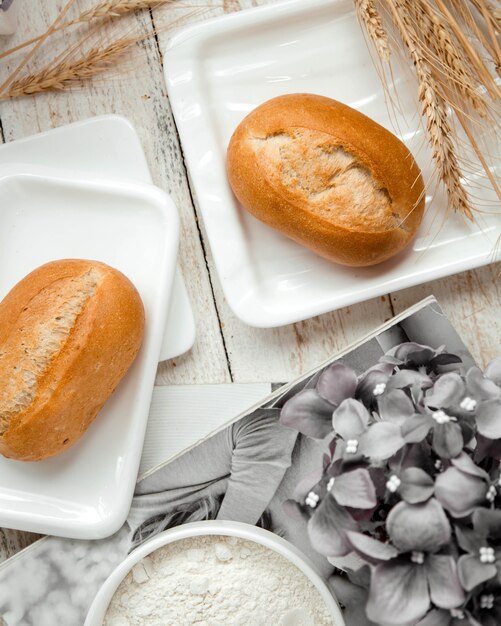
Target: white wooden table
(226,350)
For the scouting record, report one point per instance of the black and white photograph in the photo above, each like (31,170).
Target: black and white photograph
(247,472)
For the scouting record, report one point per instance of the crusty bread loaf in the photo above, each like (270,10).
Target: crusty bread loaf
(328,177)
(69,331)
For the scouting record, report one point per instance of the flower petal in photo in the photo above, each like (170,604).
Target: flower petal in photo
(480,387)
(337,383)
(447,440)
(372,382)
(473,572)
(355,489)
(405,379)
(413,354)
(328,526)
(487,522)
(421,527)
(459,492)
(493,371)
(416,485)
(465,463)
(447,390)
(372,550)
(445,589)
(350,419)
(395,406)
(488,419)
(381,440)
(416,428)
(398,593)
(308,413)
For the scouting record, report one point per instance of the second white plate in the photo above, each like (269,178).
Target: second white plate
(85,492)
(216,73)
(106,147)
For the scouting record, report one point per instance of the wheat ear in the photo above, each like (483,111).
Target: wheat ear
(369,15)
(69,71)
(484,75)
(434,110)
(452,62)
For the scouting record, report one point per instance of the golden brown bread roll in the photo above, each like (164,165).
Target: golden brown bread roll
(69,331)
(328,177)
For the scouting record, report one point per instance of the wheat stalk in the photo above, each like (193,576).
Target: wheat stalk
(488,40)
(104,9)
(490,13)
(40,42)
(485,77)
(434,110)
(69,72)
(452,61)
(369,15)
(115,8)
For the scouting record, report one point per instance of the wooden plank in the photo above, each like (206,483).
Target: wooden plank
(472,301)
(11,541)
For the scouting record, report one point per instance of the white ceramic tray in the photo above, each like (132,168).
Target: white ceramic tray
(216,73)
(102,147)
(85,492)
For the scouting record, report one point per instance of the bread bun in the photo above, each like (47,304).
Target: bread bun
(328,177)
(69,331)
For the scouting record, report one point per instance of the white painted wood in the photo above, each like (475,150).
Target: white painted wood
(472,301)
(225,348)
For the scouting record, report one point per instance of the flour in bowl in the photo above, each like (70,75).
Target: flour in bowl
(216,581)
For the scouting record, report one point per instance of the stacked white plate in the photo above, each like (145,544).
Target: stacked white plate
(84,191)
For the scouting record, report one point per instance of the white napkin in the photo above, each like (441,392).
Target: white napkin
(182,415)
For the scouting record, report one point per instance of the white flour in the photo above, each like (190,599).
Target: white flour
(216,581)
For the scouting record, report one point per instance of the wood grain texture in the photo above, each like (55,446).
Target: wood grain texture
(472,302)
(12,541)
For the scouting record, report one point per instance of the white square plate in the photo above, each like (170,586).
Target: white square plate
(106,146)
(216,73)
(85,492)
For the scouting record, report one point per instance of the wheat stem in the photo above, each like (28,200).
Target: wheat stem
(476,61)
(489,41)
(450,57)
(69,72)
(490,13)
(479,153)
(369,15)
(32,52)
(105,9)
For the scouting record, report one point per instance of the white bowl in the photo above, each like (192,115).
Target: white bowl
(101,602)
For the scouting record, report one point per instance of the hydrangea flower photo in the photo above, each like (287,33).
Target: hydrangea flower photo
(410,486)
